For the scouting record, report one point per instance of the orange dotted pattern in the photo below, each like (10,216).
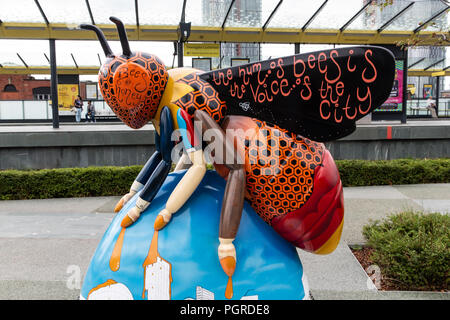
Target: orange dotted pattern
(140,114)
(204,97)
(279,170)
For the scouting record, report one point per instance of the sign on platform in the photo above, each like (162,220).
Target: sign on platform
(202,49)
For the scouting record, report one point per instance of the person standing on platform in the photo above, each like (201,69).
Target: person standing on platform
(431,105)
(78,108)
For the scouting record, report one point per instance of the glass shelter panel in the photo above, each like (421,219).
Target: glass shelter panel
(20,11)
(335,14)
(250,13)
(160,12)
(69,12)
(374,16)
(420,12)
(31,51)
(207,13)
(122,9)
(294,13)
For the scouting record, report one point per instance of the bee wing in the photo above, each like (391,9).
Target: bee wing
(319,95)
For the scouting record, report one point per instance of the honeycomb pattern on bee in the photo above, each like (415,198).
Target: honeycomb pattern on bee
(135,115)
(279,169)
(204,97)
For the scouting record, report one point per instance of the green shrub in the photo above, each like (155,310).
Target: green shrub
(389,172)
(66,183)
(412,249)
(107,181)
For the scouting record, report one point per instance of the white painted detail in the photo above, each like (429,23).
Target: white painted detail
(203,294)
(157,280)
(116,291)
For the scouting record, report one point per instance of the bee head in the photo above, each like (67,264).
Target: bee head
(132,83)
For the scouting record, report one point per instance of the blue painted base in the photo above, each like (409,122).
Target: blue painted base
(267,267)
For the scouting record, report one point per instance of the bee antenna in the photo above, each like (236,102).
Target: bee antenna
(122,36)
(101,38)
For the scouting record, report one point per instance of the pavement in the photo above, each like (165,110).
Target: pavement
(46,245)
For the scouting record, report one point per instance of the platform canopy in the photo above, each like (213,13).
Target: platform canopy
(339,22)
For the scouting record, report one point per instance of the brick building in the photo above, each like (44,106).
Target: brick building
(26,87)
(23,87)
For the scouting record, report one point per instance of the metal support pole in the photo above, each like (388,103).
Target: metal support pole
(405,82)
(184,33)
(296,48)
(54,84)
(180,53)
(437,94)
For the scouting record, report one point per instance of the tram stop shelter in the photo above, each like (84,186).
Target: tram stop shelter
(39,37)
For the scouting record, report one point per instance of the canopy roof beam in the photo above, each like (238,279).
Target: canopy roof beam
(42,12)
(431,19)
(183,12)
(99,60)
(387,23)
(355,16)
(85,70)
(74,61)
(60,31)
(136,10)
(90,12)
(271,15)
(433,64)
(93,70)
(228,13)
(314,15)
(416,63)
(23,61)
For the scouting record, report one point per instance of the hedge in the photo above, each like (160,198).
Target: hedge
(393,172)
(66,183)
(109,181)
(412,249)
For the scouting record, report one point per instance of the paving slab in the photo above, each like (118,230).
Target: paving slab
(338,271)
(428,205)
(37,290)
(44,259)
(437,191)
(373,192)
(52,225)
(359,212)
(59,205)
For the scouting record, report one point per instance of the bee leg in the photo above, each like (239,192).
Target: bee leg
(190,181)
(230,218)
(183,163)
(233,200)
(184,189)
(157,176)
(148,193)
(141,179)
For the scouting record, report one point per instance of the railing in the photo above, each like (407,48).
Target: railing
(42,110)
(418,107)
